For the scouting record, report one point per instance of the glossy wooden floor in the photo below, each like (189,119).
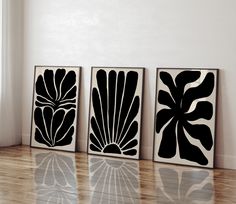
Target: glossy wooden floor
(43,176)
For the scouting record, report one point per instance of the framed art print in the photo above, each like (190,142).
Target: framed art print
(55,107)
(185,116)
(115,111)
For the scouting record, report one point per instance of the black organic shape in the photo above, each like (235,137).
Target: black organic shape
(56,90)
(54,128)
(119,178)
(177,116)
(115,107)
(188,187)
(55,178)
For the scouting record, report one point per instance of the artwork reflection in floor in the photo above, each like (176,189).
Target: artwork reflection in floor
(114,180)
(184,186)
(55,178)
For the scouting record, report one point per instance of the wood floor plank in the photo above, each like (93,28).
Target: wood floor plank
(30,175)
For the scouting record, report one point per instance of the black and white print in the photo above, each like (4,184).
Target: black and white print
(114,180)
(185,116)
(54,116)
(55,178)
(115,111)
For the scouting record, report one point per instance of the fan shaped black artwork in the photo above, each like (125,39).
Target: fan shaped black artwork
(55,107)
(115,111)
(185,116)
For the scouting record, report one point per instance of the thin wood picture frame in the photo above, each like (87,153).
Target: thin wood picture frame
(185,116)
(55,107)
(116,97)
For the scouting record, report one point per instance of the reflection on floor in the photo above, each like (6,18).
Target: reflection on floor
(55,178)
(185,187)
(43,176)
(114,180)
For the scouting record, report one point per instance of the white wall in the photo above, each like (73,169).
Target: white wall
(153,33)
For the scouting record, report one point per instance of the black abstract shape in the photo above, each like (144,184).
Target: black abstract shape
(54,128)
(177,117)
(55,178)
(118,177)
(115,107)
(184,187)
(56,90)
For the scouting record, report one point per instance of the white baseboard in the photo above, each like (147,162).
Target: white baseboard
(26,139)
(225,161)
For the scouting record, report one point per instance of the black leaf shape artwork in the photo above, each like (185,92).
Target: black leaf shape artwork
(115,112)
(185,187)
(185,119)
(55,107)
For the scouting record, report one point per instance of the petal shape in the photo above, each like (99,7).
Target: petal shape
(67,138)
(95,141)
(186,77)
(59,75)
(97,132)
(129,91)
(164,98)
(102,90)
(40,138)
(204,109)
(130,116)
(133,129)
(130,145)
(163,116)
(168,81)
(65,130)
(98,112)
(200,132)
(57,120)
(49,81)
(167,148)
(42,134)
(40,88)
(203,90)
(94,148)
(67,83)
(112,101)
(70,94)
(131,152)
(119,94)
(187,150)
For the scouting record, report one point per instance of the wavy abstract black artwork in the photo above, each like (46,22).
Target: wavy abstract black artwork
(115,111)
(185,116)
(55,107)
